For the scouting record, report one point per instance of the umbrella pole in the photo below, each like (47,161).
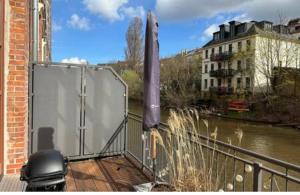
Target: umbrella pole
(154,153)
(144,149)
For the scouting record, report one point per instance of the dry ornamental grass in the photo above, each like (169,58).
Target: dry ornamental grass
(190,165)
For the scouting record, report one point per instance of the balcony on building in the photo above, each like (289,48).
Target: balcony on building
(222,73)
(223,56)
(222,90)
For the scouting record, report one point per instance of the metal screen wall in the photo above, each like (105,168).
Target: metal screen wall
(104,112)
(78,109)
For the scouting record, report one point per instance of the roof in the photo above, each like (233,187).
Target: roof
(294,21)
(253,30)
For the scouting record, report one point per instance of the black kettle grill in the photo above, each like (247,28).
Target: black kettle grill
(45,171)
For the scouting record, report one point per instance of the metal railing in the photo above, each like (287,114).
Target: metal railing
(223,56)
(222,73)
(237,169)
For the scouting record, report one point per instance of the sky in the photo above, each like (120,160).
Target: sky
(94,31)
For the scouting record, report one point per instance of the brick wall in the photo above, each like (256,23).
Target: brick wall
(17,86)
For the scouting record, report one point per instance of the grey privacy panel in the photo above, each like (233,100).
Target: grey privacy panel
(104,112)
(56,109)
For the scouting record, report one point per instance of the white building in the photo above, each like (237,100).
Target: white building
(294,27)
(241,56)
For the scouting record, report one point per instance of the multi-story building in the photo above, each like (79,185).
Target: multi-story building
(294,27)
(241,56)
(16,38)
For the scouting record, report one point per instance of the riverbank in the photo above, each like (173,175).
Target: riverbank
(252,120)
(249,117)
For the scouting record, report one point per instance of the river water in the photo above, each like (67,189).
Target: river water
(276,142)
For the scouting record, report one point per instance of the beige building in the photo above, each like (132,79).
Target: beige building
(294,27)
(241,56)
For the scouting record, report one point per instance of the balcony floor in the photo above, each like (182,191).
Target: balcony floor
(102,175)
(109,174)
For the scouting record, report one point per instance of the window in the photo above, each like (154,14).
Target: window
(239,65)
(220,49)
(248,64)
(239,46)
(206,54)
(219,82)
(219,66)
(205,83)
(211,82)
(212,68)
(230,48)
(212,51)
(229,82)
(239,82)
(205,68)
(280,63)
(216,36)
(248,82)
(248,45)
(229,65)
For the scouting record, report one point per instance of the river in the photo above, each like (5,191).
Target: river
(276,142)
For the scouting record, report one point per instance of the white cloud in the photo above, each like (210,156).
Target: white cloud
(211,29)
(74,60)
(134,12)
(177,10)
(79,23)
(56,27)
(113,10)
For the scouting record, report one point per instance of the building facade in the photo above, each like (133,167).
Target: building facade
(15,56)
(240,57)
(294,27)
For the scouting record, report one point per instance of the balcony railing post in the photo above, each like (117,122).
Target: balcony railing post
(257,177)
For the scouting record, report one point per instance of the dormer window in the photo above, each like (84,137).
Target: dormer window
(216,36)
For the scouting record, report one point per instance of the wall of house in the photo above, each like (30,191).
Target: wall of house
(16,85)
(17,56)
(271,52)
(243,58)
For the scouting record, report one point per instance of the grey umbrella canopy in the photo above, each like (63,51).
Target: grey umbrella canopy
(151,115)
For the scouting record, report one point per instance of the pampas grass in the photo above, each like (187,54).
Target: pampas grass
(191,166)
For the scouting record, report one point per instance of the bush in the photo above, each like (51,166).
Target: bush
(135,84)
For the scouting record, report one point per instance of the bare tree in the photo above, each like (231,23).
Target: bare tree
(134,38)
(181,80)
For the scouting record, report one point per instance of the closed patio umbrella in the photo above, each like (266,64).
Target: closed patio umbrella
(151,115)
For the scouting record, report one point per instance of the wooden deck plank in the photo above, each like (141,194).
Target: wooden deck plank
(70,182)
(109,174)
(100,180)
(123,173)
(83,179)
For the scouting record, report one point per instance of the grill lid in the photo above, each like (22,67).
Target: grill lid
(45,164)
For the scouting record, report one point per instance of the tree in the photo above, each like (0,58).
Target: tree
(134,38)
(181,80)
(135,84)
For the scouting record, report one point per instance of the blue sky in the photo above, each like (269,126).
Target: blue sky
(94,30)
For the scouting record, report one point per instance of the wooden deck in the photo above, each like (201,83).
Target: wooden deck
(109,174)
